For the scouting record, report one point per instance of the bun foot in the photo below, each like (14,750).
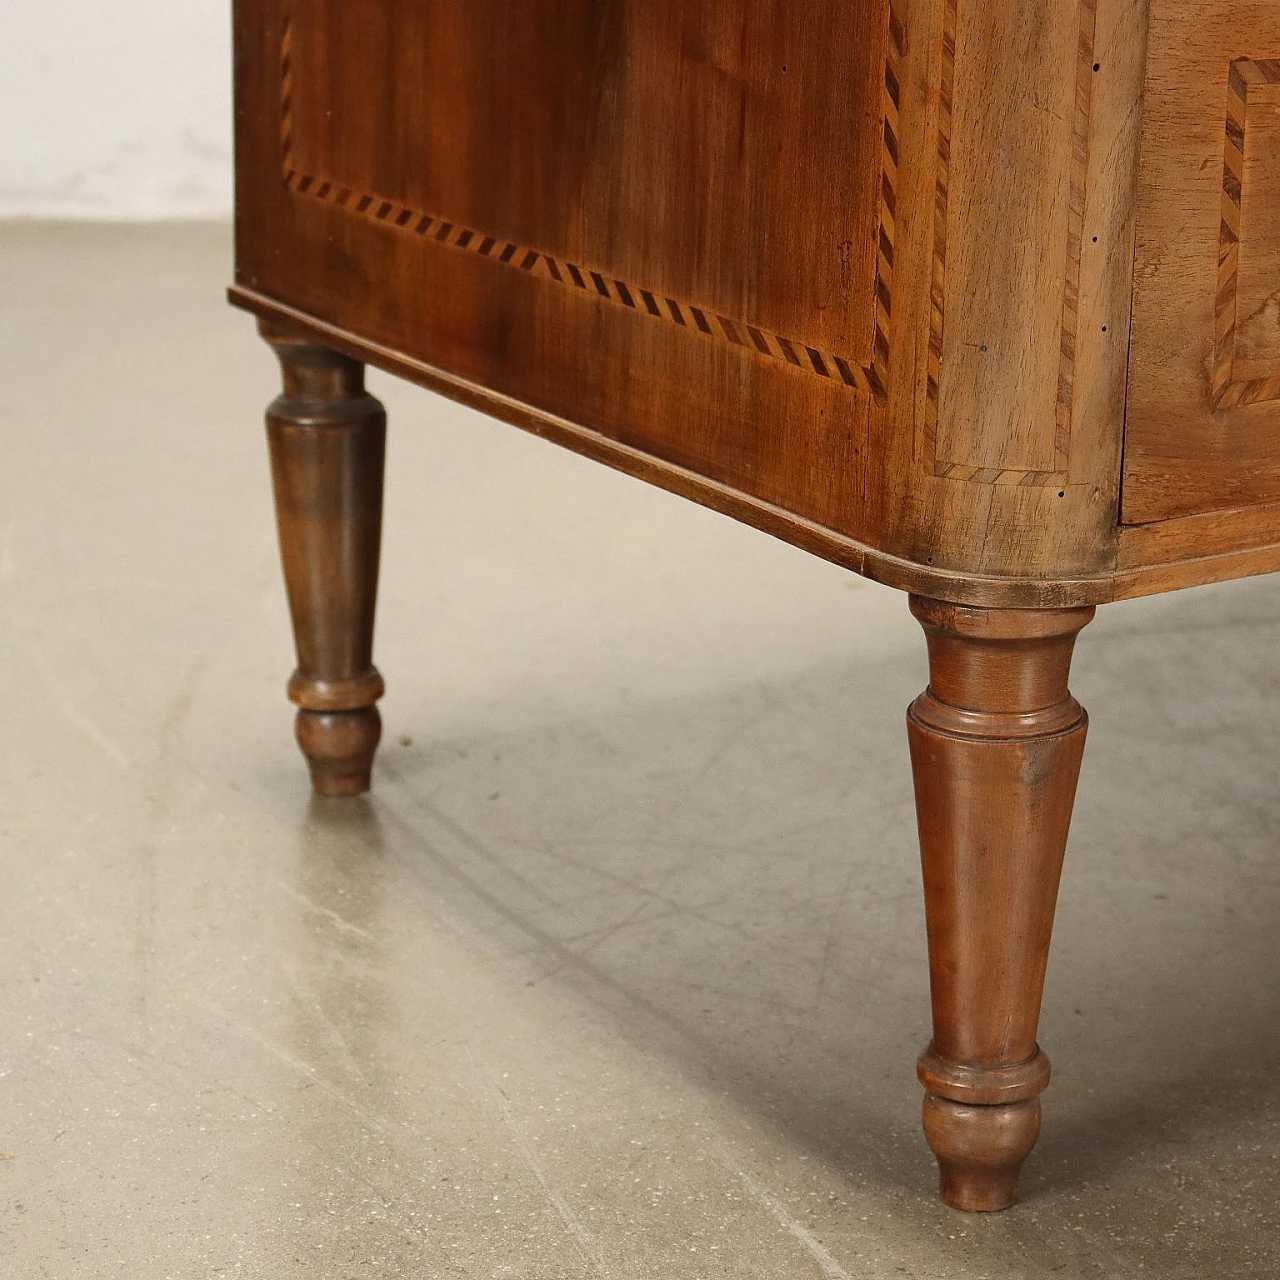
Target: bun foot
(339,747)
(980,1150)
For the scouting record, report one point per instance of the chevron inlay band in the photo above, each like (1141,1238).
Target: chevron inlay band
(870,377)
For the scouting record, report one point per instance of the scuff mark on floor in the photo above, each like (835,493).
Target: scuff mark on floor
(584,1241)
(815,1248)
(66,703)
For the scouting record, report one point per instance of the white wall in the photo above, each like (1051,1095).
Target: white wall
(115,108)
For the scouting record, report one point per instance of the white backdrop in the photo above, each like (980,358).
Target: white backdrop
(117,110)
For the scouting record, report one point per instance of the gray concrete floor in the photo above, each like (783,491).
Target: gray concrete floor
(620,972)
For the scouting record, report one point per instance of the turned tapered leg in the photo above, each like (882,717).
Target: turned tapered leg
(328,441)
(996,742)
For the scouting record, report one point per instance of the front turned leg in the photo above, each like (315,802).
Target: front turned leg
(996,743)
(328,440)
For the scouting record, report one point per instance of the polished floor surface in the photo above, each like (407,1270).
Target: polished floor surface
(620,971)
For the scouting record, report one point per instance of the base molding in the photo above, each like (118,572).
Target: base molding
(1126,581)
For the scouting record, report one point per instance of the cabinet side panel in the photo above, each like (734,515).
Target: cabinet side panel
(673,223)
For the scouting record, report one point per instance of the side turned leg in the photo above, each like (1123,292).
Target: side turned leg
(996,743)
(328,439)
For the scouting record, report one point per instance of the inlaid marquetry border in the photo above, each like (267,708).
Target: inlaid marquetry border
(1225,391)
(1065,399)
(870,377)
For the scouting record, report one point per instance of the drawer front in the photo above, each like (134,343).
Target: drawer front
(1203,425)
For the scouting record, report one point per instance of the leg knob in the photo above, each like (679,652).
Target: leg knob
(980,1149)
(339,747)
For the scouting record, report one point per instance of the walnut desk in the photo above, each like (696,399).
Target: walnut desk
(979,298)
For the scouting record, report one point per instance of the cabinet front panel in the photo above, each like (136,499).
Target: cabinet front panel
(1203,429)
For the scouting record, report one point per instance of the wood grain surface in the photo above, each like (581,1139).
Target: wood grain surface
(1025,303)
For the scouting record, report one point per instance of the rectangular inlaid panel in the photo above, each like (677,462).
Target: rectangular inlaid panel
(1203,426)
(1256,346)
(658,154)
(1011,301)
(672,222)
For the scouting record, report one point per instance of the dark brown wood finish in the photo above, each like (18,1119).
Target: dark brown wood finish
(327,438)
(996,743)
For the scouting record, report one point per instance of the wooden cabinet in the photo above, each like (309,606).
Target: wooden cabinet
(981,300)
